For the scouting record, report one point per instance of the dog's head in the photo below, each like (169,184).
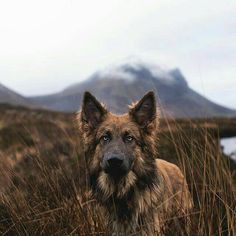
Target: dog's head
(117,146)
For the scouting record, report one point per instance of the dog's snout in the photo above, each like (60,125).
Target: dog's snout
(115,161)
(115,164)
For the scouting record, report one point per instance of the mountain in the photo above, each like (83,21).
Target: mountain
(120,85)
(9,96)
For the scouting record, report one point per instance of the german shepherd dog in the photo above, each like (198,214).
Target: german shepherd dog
(136,191)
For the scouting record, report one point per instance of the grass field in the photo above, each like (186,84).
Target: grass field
(43,176)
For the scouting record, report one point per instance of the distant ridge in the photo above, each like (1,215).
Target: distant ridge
(10,97)
(120,85)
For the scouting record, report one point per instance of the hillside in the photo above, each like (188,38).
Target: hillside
(9,96)
(121,85)
(23,131)
(43,176)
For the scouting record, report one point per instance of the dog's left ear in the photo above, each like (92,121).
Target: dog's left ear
(92,112)
(144,111)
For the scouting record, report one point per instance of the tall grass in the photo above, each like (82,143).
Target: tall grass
(209,177)
(45,193)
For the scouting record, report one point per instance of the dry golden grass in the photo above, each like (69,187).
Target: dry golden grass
(210,179)
(43,191)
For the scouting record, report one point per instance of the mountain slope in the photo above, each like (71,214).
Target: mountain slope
(124,84)
(11,97)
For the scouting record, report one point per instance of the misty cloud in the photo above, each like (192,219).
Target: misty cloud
(47,45)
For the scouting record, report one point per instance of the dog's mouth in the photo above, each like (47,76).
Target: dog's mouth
(116,173)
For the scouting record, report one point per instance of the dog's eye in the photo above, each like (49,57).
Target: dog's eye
(106,138)
(129,138)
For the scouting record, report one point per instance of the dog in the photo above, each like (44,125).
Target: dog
(135,189)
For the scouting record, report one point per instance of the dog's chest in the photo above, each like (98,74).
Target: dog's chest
(124,219)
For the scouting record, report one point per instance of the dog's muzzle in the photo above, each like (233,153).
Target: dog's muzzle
(115,165)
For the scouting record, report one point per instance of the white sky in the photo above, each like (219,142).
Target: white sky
(46,45)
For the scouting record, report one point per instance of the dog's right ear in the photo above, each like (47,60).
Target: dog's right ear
(144,111)
(92,112)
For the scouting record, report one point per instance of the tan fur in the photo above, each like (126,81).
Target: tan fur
(176,187)
(153,190)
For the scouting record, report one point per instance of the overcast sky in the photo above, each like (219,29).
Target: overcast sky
(46,45)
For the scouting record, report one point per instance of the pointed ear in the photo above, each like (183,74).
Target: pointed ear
(144,111)
(92,112)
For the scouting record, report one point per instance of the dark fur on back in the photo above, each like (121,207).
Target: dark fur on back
(132,202)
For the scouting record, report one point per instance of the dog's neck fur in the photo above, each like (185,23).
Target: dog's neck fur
(120,206)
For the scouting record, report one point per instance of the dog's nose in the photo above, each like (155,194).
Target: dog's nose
(115,165)
(115,161)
